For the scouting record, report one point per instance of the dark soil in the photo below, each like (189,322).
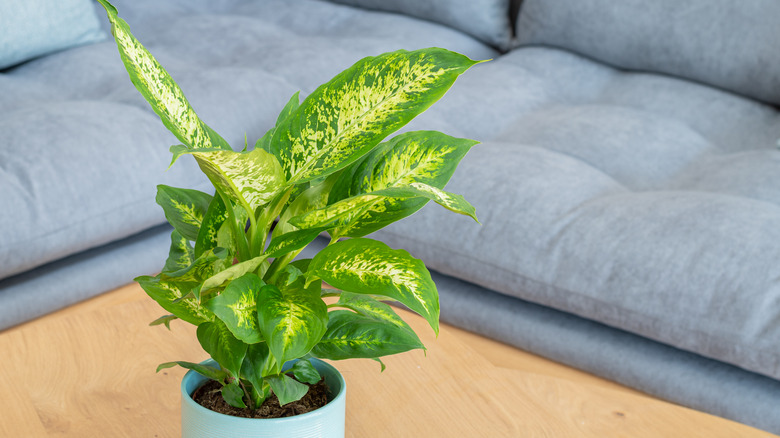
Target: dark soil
(210,397)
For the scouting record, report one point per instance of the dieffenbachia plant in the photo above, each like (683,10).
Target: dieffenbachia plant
(323,167)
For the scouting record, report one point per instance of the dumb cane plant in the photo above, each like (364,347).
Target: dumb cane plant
(322,168)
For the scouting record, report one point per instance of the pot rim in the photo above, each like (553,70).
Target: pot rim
(323,411)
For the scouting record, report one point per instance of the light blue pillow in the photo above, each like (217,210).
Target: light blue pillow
(31,28)
(487,20)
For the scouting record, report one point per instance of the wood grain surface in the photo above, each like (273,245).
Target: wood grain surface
(88,371)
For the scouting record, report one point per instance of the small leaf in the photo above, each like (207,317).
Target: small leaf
(223,347)
(233,394)
(203,267)
(180,254)
(184,209)
(265,141)
(236,306)
(292,241)
(450,201)
(165,319)
(291,322)
(305,372)
(204,370)
(287,389)
(170,296)
(370,267)
(233,272)
(352,336)
(369,306)
(215,216)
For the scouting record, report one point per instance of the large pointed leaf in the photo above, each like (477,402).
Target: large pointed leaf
(223,347)
(450,201)
(351,335)
(349,115)
(291,322)
(159,89)
(312,198)
(249,179)
(168,295)
(180,254)
(265,141)
(426,157)
(236,306)
(370,267)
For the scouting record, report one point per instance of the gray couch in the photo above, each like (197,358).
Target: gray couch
(627,180)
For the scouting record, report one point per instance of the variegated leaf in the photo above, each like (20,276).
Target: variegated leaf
(291,322)
(450,201)
(233,272)
(184,209)
(349,115)
(168,295)
(203,267)
(265,141)
(426,157)
(181,255)
(351,335)
(236,306)
(215,216)
(313,198)
(367,266)
(291,241)
(222,346)
(370,307)
(159,89)
(249,179)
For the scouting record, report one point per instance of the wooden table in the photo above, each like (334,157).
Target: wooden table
(88,371)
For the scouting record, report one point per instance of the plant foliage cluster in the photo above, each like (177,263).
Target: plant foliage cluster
(323,168)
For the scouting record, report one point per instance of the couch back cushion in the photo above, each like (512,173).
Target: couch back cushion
(487,20)
(32,28)
(730,44)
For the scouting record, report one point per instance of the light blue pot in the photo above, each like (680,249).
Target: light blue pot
(326,422)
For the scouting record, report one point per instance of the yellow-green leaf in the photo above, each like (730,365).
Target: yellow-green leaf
(370,267)
(292,322)
(159,89)
(236,306)
(349,115)
(169,295)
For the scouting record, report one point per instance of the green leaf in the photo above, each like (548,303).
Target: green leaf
(287,389)
(257,364)
(233,394)
(223,347)
(180,255)
(312,198)
(292,241)
(159,89)
(203,267)
(165,319)
(184,209)
(265,141)
(419,157)
(204,370)
(169,294)
(236,306)
(249,179)
(233,272)
(215,216)
(450,201)
(291,322)
(351,336)
(349,115)
(305,372)
(370,307)
(370,267)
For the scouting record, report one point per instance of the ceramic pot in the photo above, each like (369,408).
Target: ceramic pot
(325,422)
